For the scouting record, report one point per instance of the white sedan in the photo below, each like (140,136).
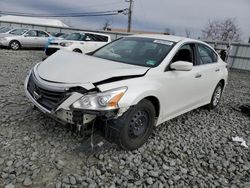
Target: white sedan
(78,42)
(128,86)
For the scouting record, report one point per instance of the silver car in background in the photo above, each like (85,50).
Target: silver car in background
(18,38)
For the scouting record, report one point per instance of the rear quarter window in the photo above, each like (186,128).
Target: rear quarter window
(98,38)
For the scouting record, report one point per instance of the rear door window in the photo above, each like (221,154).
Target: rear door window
(31,33)
(206,55)
(42,34)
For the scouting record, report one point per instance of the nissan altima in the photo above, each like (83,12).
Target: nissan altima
(128,86)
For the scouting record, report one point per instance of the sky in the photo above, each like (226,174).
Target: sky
(149,15)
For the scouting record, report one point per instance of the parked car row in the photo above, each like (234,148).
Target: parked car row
(81,42)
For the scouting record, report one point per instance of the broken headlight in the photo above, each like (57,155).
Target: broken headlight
(107,100)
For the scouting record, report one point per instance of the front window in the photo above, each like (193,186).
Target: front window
(18,31)
(75,36)
(136,51)
(42,34)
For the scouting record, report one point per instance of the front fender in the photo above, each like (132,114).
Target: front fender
(138,89)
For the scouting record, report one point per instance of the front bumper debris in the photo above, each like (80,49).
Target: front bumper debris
(57,104)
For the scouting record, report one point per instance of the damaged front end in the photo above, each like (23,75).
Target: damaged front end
(73,104)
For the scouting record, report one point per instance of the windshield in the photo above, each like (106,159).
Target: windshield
(136,51)
(4,29)
(75,36)
(18,31)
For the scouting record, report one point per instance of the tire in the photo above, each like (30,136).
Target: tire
(134,127)
(77,50)
(15,45)
(216,97)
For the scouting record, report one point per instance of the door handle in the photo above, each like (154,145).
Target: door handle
(198,75)
(217,70)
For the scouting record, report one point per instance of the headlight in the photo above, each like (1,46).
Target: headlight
(66,44)
(101,101)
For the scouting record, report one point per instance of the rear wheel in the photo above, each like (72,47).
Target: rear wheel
(77,50)
(215,100)
(133,129)
(14,45)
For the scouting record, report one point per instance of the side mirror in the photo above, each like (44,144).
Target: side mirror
(25,35)
(181,66)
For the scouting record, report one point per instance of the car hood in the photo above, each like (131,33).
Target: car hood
(5,35)
(73,68)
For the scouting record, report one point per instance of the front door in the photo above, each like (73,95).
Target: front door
(182,89)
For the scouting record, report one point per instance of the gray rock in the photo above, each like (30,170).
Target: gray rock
(172,163)
(66,180)
(58,185)
(9,163)
(1,161)
(10,186)
(59,164)
(27,181)
(72,180)
(153,173)
(184,170)
(149,181)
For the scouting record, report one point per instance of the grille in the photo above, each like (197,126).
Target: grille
(46,98)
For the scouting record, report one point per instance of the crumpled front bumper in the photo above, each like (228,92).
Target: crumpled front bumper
(63,113)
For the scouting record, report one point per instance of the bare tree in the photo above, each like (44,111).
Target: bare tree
(223,30)
(106,25)
(187,32)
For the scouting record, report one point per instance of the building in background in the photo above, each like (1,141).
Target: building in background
(33,20)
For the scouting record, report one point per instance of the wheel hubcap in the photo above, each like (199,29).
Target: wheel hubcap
(217,95)
(138,124)
(14,45)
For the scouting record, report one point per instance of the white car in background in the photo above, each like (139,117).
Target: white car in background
(79,42)
(128,86)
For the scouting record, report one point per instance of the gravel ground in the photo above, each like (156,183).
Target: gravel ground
(193,150)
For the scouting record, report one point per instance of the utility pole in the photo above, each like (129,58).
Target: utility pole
(129,14)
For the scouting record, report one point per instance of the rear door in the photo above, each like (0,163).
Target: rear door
(94,41)
(207,61)
(43,38)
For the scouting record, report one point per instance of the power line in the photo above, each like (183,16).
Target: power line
(100,13)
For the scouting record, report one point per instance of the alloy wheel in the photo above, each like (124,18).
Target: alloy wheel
(217,96)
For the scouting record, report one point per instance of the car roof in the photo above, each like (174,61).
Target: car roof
(161,37)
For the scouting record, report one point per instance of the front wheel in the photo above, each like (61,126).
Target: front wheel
(215,100)
(133,129)
(14,45)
